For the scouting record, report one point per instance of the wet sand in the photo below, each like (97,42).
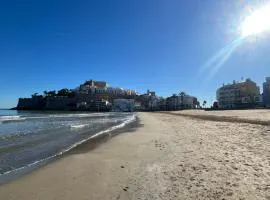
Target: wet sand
(165,156)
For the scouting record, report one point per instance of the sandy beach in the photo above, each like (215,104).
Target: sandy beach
(167,155)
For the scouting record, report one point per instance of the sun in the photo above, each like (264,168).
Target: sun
(257,22)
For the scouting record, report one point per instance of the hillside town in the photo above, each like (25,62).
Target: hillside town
(99,96)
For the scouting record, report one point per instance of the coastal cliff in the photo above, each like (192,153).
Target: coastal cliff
(34,103)
(47,103)
(80,103)
(60,103)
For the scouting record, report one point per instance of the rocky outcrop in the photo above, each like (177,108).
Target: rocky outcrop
(47,103)
(63,103)
(34,103)
(60,103)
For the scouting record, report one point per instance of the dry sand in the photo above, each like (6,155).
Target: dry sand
(252,115)
(167,157)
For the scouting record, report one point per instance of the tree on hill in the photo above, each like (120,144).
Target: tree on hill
(52,93)
(66,93)
(36,95)
(63,92)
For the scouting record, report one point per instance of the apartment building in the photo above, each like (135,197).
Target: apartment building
(181,101)
(243,94)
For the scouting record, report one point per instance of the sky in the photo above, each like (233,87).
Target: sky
(161,45)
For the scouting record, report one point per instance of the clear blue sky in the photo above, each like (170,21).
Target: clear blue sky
(139,44)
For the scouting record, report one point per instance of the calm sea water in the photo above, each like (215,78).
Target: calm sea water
(28,137)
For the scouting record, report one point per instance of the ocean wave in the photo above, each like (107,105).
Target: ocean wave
(79,115)
(16,118)
(96,121)
(75,126)
(124,123)
(131,119)
(11,118)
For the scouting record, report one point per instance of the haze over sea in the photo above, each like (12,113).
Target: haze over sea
(28,138)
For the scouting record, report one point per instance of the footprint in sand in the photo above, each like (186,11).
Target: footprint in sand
(159,145)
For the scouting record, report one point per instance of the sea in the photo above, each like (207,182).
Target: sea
(30,138)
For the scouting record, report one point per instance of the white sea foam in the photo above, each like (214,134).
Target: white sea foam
(80,115)
(11,118)
(75,126)
(129,120)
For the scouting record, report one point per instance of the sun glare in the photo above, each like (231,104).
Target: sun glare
(257,22)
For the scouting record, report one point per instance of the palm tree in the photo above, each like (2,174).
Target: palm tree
(197,104)
(182,94)
(204,103)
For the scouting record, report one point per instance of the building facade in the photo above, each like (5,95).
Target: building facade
(173,102)
(244,94)
(266,92)
(181,101)
(123,105)
(162,104)
(101,88)
(149,101)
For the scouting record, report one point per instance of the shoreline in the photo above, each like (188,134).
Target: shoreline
(92,142)
(95,142)
(161,157)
